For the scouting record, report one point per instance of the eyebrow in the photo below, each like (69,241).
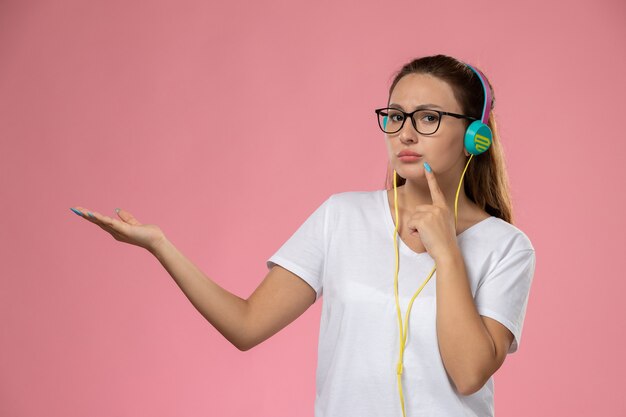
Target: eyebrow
(421,106)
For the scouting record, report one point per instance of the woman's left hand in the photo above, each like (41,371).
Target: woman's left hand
(435,222)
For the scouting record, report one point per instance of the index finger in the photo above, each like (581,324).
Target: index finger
(435,192)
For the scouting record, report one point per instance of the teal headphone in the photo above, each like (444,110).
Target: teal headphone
(478,136)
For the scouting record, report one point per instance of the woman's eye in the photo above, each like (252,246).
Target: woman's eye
(431,118)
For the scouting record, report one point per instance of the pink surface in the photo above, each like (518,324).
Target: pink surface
(226,124)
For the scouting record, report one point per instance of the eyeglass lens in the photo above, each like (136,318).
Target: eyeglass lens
(425,121)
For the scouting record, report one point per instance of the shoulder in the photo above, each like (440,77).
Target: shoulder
(354,200)
(506,236)
(354,197)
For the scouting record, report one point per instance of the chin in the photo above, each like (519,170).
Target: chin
(415,172)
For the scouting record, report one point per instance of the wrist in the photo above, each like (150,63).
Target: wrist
(158,246)
(451,254)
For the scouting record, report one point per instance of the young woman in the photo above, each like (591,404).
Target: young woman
(373,254)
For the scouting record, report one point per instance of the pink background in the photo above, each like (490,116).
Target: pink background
(227,124)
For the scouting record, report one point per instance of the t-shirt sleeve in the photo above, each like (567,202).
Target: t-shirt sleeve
(304,252)
(503,295)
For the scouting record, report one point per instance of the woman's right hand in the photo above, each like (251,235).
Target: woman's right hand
(128,229)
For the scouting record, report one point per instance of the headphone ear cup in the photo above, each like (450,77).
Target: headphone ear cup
(478,137)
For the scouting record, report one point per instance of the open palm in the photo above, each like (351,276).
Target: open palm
(127,229)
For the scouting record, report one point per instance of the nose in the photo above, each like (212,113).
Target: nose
(408,132)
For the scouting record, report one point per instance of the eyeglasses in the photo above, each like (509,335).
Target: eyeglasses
(425,121)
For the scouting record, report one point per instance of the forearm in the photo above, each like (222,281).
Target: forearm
(465,344)
(224,310)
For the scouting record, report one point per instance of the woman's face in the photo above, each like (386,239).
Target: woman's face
(443,150)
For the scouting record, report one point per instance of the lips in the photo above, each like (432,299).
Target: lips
(408,153)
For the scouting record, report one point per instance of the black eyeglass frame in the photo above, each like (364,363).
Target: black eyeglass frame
(410,115)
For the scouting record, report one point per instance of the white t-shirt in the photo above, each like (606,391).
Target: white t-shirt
(345,251)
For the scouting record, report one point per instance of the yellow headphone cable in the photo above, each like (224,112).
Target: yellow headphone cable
(404,333)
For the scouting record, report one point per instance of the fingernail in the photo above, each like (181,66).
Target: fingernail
(117,210)
(76,211)
(427,167)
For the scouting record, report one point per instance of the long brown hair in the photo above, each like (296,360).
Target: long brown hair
(486,181)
